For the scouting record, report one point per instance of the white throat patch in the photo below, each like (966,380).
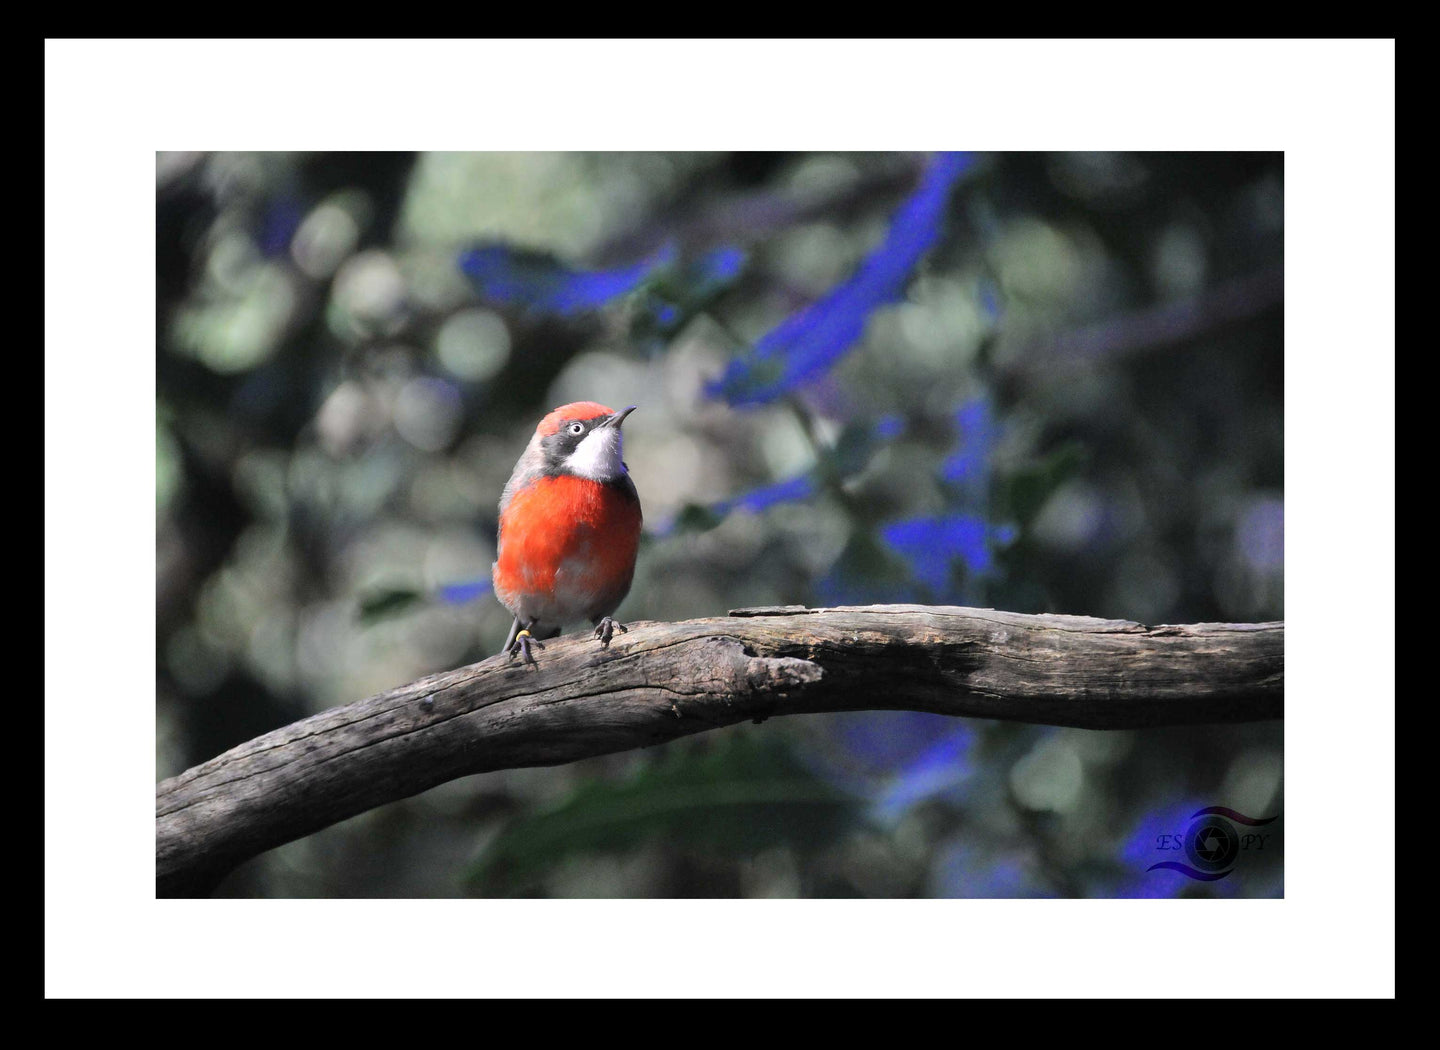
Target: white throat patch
(598,456)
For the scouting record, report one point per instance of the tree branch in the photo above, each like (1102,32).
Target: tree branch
(666,680)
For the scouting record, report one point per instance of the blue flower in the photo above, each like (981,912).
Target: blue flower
(931,545)
(896,759)
(1142,847)
(540,283)
(800,487)
(461,593)
(719,267)
(807,343)
(938,770)
(978,433)
(890,427)
(851,453)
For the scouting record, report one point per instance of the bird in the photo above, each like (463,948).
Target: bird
(569,529)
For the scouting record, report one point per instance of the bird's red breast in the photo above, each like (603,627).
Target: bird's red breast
(567,547)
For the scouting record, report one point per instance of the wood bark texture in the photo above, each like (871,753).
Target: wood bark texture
(661,681)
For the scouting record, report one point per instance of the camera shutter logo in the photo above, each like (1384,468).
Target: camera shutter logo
(1212,844)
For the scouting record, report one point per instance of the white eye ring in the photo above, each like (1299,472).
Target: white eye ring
(577,428)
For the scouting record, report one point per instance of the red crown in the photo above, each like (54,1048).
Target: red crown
(578,410)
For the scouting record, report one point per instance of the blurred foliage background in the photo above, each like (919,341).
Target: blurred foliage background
(1037,382)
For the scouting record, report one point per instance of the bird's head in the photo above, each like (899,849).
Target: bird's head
(582,439)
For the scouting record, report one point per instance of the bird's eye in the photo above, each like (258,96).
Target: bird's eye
(577,428)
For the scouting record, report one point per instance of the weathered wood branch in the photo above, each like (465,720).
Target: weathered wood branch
(666,680)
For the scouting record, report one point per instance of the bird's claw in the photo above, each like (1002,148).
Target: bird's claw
(522,645)
(605,630)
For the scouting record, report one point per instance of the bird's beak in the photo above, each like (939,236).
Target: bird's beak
(618,418)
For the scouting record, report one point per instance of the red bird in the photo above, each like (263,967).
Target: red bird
(569,528)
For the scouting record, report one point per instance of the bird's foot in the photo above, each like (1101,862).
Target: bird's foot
(605,630)
(523,645)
